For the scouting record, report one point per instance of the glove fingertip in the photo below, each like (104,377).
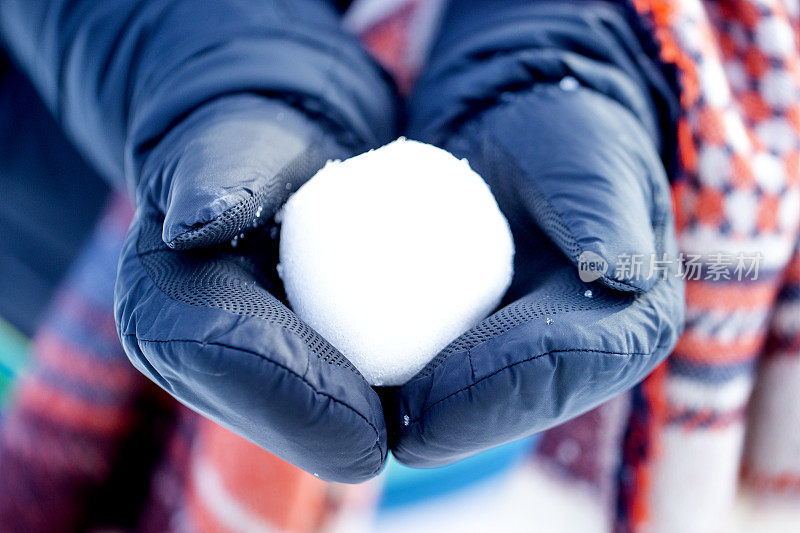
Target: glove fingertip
(197,221)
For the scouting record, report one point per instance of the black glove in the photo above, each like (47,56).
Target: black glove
(205,323)
(567,144)
(216,112)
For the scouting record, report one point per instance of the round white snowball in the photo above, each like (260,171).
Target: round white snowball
(392,254)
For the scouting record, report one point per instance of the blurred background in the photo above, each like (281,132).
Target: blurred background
(710,442)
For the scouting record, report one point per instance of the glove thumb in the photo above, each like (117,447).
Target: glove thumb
(229,166)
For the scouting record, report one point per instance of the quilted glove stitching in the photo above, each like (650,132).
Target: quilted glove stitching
(276,363)
(567,350)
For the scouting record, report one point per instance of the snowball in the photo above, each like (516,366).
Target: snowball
(392,254)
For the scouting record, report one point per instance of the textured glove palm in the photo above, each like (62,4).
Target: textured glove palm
(555,105)
(204,322)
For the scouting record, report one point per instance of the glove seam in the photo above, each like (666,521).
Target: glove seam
(276,363)
(521,85)
(532,358)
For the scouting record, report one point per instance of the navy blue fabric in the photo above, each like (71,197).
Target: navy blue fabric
(487,52)
(49,201)
(557,107)
(205,325)
(213,112)
(120,74)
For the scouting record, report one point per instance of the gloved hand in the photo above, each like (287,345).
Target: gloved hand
(214,112)
(568,146)
(205,323)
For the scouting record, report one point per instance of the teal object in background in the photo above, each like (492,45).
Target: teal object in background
(13,358)
(404,485)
